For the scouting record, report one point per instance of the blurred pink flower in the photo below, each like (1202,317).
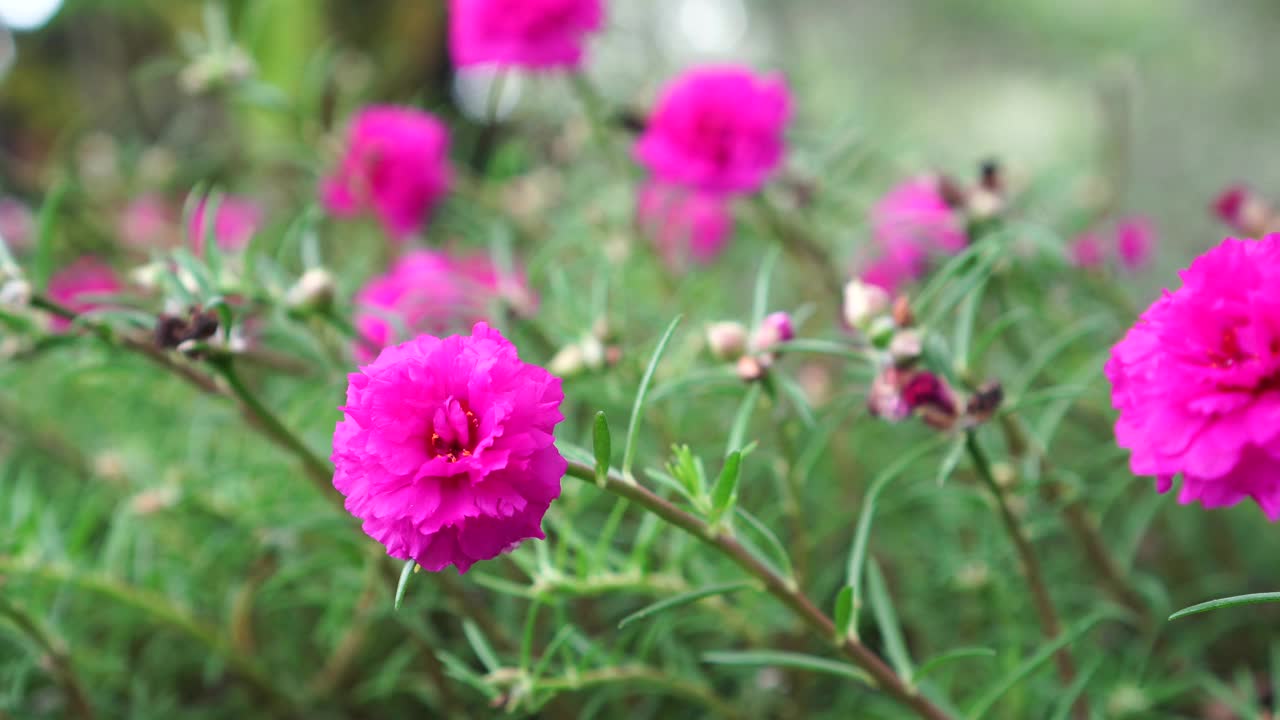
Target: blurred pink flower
(535,34)
(395,165)
(1135,240)
(446,449)
(77,285)
(148,221)
(718,129)
(427,291)
(1197,380)
(1087,251)
(685,226)
(17,224)
(909,224)
(238,218)
(1245,212)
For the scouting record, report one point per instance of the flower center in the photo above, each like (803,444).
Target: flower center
(454,431)
(1229,352)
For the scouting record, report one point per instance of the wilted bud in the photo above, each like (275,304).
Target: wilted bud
(1244,211)
(902,314)
(863,303)
(776,328)
(985,402)
(929,397)
(313,291)
(727,340)
(567,362)
(906,346)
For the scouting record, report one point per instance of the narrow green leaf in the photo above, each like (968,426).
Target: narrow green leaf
(844,612)
(683,599)
(760,302)
(404,581)
(988,699)
(822,347)
(738,431)
(781,559)
(1066,701)
(633,428)
(725,492)
(1252,599)
(777,658)
(950,461)
(42,264)
(602,443)
(530,633)
(480,645)
(948,657)
(887,619)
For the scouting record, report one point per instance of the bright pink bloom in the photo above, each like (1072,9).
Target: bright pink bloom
(536,34)
(17,225)
(1135,238)
(427,291)
(395,165)
(148,222)
(686,226)
(916,212)
(237,220)
(1197,380)
(446,449)
(77,286)
(717,129)
(1087,251)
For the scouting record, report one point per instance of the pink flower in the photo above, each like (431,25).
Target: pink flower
(1135,238)
(429,291)
(717,129)
(237,220)
(148,222)
(1245,212)
(686,226)
(17,225)
(395,165)
(446,449)
(77,286)
(1087,251)
(536,34)
(1197,380)
(917,213)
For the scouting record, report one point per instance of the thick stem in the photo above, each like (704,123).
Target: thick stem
(1050,625)
(781,588)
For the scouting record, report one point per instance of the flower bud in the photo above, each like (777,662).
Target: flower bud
(750,368)
(902,314)
(569,361)
(906,346)
(863,302)
(14,293)
(881,332)
(593,355)
(727,340)
(774,329)
(1244,211)
(148,276)
(313,291)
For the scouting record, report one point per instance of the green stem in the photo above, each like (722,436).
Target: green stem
(775,584)
(633,675)
(59,658)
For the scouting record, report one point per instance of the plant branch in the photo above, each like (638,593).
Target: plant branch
(59,659)
(781,588)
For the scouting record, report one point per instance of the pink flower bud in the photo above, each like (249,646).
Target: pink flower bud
(727,340)
(776,328)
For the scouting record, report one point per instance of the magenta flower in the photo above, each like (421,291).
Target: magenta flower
(427,291)
(916,213)
(686,226)
(775,328)
(148,222)
(717,129)
(395,165)
(237,220)
(446,449)
(1087,251)
(535,34)
(1197,380)
(1135,239)
(78,285)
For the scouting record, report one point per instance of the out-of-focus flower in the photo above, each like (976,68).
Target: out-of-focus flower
(313,291)
(446,449)
(727,340)
(898,393)
(148,222)
(717,129)
(863,302)
(686,226)
(395,164)
(17,224)
(1246,212)
(1197,380)
(76,285)
(237,219)
(533,34)
(429,291)
(1135,240)
(910,223)
(775,328)
(1087,251)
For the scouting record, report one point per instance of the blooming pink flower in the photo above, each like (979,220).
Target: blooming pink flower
(17,225)
(1197,380)
(1135,238)
(1087,251)
(717,129)
(446,449)
(537,34)
(395,165)
(916,212)
(77,285)
(686,226)
(237,220)
(148,222)
(429,291)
